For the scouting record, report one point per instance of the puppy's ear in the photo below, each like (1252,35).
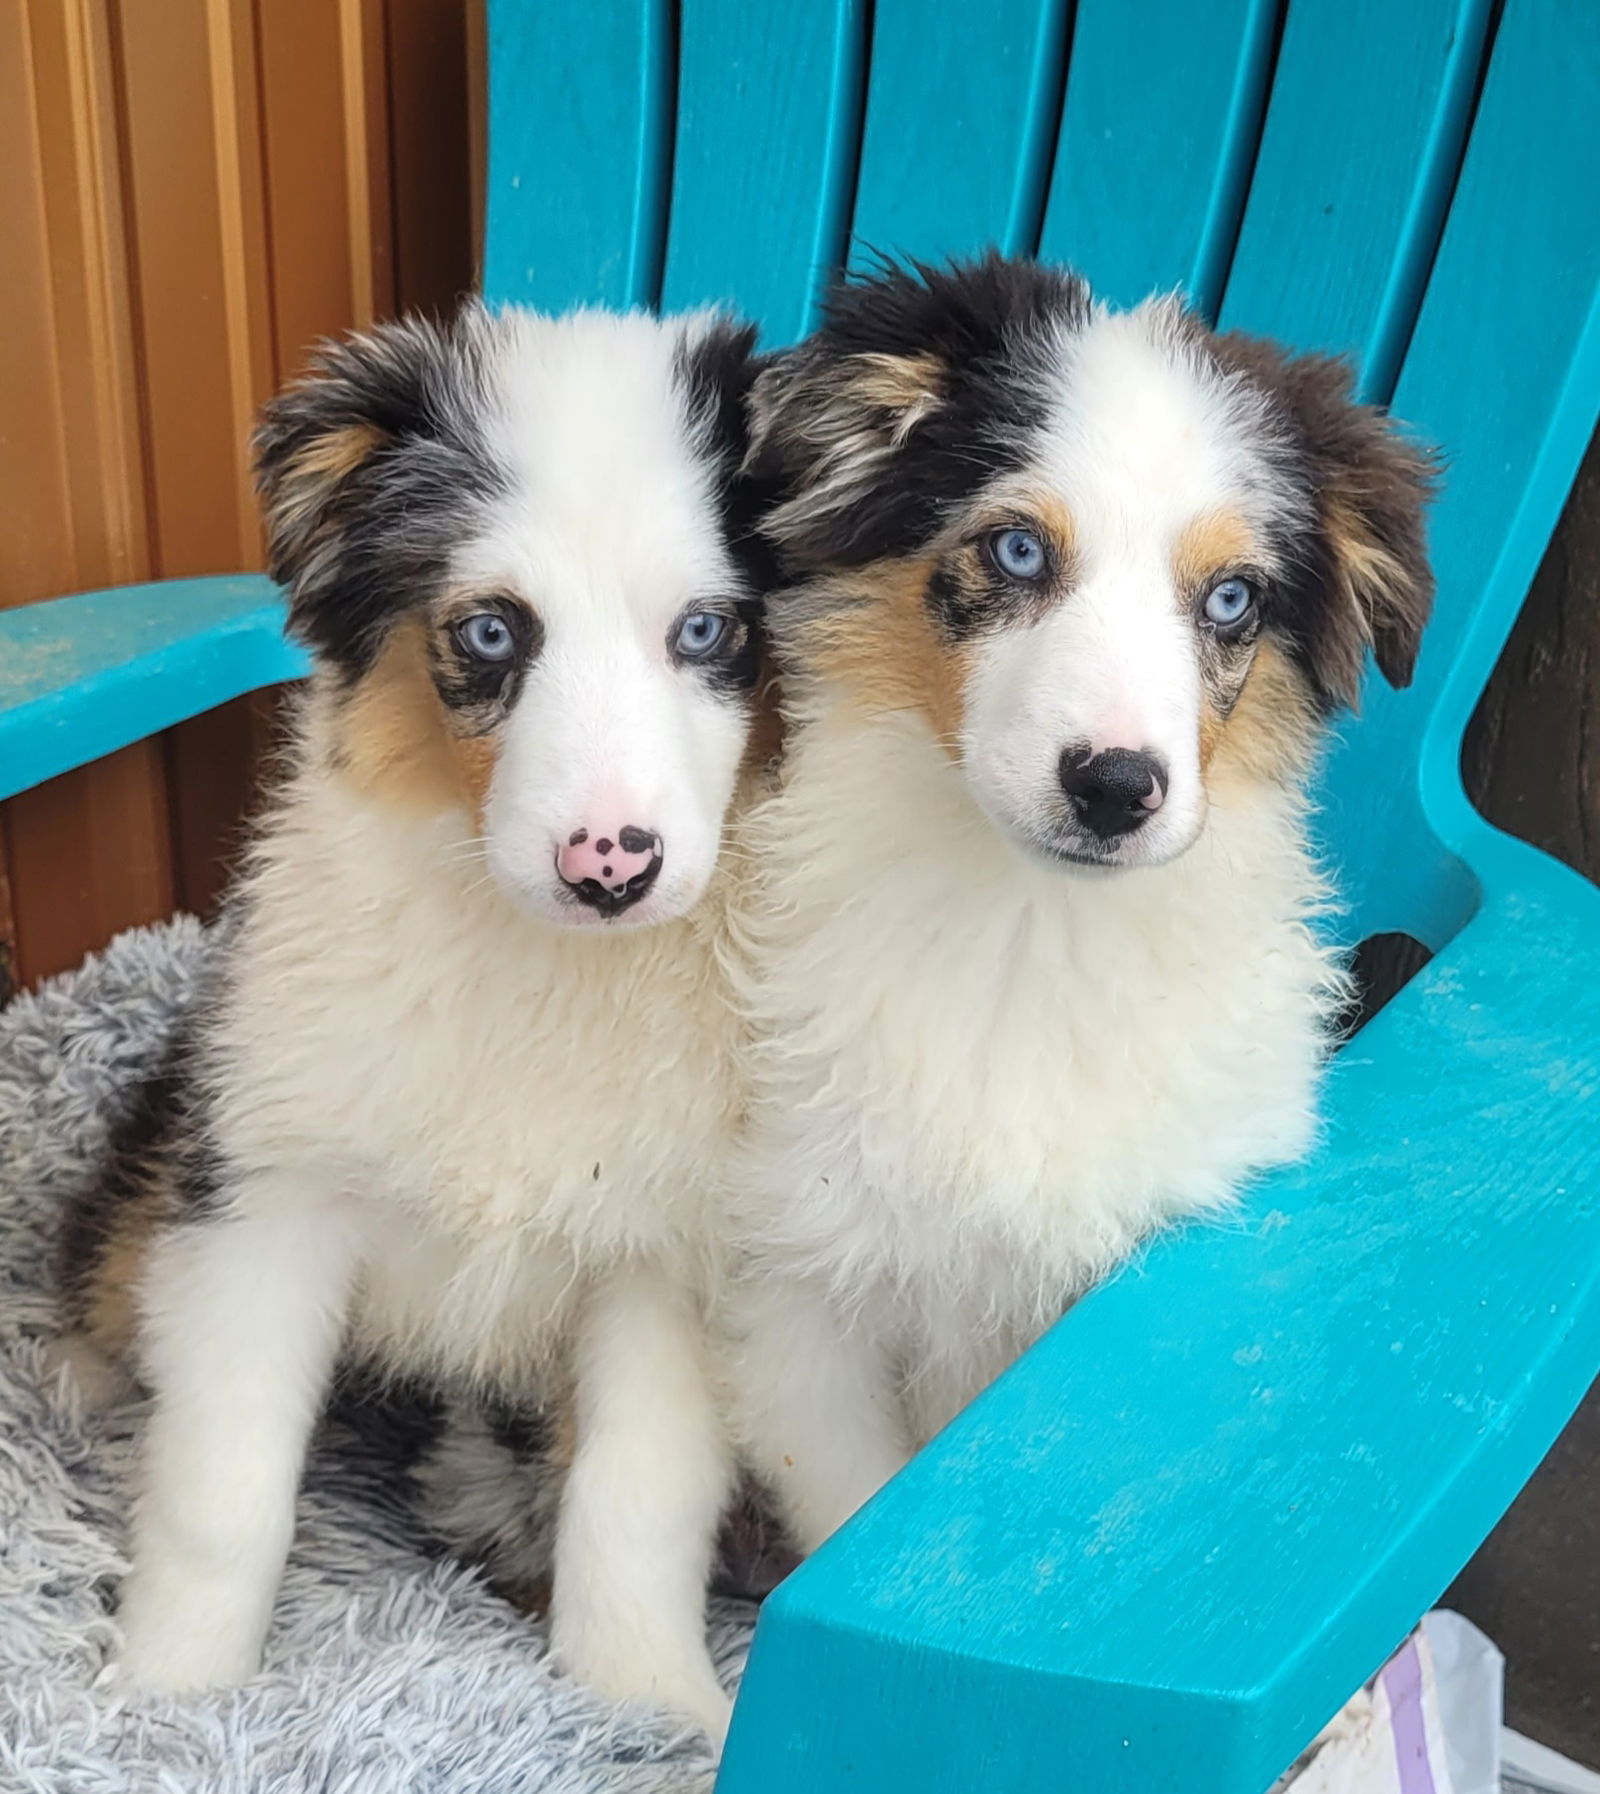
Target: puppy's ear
(825,432)
(1369,582)
(381,422)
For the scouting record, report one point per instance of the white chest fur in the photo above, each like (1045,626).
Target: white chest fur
(980,1081)
(519,1108)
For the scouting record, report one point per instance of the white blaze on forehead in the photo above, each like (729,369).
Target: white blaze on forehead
(609,529)
(1145,434)
(611,488)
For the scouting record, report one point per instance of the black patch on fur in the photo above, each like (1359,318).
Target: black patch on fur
(160,1138)
(1368,488)
(979,329)
(479,691)
(716,370)
(137,1140)
(371,471)
(519,1428)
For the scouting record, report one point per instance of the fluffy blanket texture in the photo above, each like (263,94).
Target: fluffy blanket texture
(388,1667)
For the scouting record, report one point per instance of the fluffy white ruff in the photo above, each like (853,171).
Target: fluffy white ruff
(980,1082)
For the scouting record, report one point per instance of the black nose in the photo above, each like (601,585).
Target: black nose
(1115,791)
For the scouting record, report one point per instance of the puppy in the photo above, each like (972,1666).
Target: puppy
(1029,959)
(460,1095)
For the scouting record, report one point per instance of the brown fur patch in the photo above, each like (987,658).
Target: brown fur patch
(885,651)
(1273,729)
(394,737)
(110,1310)
(1213,545)
(909,384)
(337,453)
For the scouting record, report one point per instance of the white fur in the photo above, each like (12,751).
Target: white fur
(1143,440)
(981,1078)
(609,531)
(469,1142)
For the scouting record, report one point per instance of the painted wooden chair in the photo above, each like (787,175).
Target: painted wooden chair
(1165,1547)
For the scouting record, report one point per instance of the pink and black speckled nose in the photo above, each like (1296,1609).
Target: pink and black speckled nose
(610,868)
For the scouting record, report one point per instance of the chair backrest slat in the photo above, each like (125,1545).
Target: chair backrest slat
(580,150)
(1357,158)
(962,109)
(769,125)
(1163,108)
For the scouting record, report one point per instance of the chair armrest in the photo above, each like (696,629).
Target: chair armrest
(1168,1544)
(81,676)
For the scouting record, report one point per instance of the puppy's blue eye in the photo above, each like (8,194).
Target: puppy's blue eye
(698,635)
(1018,553)
(486,636)
(1229,603)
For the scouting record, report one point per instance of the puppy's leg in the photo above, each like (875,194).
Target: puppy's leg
(243,1313)
(639,1513)
(817,1406)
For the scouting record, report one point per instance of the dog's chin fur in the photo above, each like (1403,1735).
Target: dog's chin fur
(413,1121)
(980,1078)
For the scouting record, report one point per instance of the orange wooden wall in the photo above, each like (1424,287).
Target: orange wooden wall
(191,193)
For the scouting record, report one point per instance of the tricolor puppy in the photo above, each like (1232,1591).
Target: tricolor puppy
(1076,592)
(460,1095)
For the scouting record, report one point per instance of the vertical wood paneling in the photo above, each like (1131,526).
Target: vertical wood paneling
(91,852)
(430,138)
(191,194)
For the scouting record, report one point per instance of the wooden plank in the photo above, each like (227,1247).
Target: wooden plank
(1163,108)
(204,300)
(8,921)
(769,119)
(304,89)
(203,318)
(1519,261)
(430,153)
(364,67)
(90,854)
(1364,133)
(960,127)
(580,111)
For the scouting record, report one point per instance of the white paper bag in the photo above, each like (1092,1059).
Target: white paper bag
(1427,1723)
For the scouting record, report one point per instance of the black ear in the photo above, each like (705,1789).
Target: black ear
(921,384)
(1369,581)
(826,430)
(383,428)
(717,367)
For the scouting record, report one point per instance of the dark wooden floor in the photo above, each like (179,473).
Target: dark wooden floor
(1532,763)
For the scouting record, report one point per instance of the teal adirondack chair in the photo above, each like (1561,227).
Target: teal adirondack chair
(1168,1544)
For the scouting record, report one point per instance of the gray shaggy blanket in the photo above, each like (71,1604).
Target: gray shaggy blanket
(388,1667)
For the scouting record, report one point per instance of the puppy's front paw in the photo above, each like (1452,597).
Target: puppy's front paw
(181,1635)
(658,1678)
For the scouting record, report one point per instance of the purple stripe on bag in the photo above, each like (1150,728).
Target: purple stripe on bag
(1402,1683)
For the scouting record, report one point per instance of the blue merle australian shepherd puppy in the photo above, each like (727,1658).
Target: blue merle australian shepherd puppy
(1074,592)
(459,1097)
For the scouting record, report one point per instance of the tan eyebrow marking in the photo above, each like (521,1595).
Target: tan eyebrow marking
(1214,543)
